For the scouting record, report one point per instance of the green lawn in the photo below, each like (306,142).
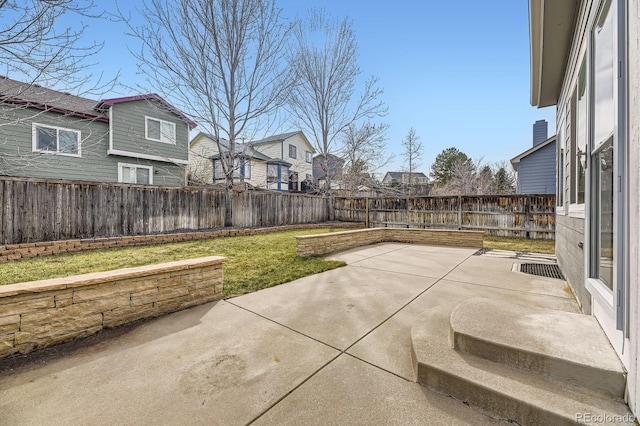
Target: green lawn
(255,262)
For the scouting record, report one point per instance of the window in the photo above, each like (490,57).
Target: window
(160,130)
(309,157)
(579,157)
(134,173)
(56,140)
(602,234)
(561,149)
(218,171)
(309,177)
(603,208)
(293,151)
(245,168)
(272,172)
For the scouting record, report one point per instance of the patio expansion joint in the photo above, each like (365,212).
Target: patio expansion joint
(340,351)
(375,255)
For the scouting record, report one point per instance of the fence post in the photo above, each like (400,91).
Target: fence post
(366,208)
(527,210)
(459,212)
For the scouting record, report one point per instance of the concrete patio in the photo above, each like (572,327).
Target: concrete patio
(333,348)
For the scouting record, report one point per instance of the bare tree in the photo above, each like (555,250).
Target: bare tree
(324,70)
(219,61)
(363,149)
(413,152)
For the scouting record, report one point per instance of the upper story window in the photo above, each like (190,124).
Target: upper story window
(293,151)
(160,130)
(309,157)
(56,140)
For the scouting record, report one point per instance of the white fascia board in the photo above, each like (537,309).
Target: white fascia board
(146,156)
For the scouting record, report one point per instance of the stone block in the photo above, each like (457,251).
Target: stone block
(140,284)
(178,293)
(57,322)
(9,324)
(172,282)
(118,300)
(172,305)
(7,345)
(122,316)
(29,341)
(144,297)
(63,298)
(98,291)
(25,304)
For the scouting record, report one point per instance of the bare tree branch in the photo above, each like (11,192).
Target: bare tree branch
(363,148)
(36,47)
(324,69)
(219,61)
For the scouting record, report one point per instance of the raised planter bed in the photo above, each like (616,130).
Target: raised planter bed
(43,313)
(323,244)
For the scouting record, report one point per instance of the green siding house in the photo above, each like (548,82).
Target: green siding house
(49,134)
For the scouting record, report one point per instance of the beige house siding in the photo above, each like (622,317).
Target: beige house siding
(299,164)
(200,168)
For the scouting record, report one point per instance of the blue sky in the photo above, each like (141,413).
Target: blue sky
(458,72)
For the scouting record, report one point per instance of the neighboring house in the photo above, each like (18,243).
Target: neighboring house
(49,134)
(293,148)
(201,148)
(585,61)
(334,165)
(404,178)
(253,163)
(536,168)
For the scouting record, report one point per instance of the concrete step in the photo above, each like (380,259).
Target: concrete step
(503,390)
(566,346)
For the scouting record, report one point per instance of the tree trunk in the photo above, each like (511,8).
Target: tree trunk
(228,202)
(332,211)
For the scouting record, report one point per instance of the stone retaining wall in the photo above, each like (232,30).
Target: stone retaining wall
(14,252)
(323,244)
(43,313)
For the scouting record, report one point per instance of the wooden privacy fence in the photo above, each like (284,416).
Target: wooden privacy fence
(37,210)
(525,216)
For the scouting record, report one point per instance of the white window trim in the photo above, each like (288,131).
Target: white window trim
(34,140)
(146,130)
(576,210)
(295,151)
(135,166)
(308,157)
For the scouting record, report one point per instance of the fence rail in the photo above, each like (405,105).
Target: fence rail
(37,210)
(526,216)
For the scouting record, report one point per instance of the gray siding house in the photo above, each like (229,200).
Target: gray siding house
(49,134)
(536,168)
(585,61)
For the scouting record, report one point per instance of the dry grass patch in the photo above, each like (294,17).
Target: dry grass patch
(520,244)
